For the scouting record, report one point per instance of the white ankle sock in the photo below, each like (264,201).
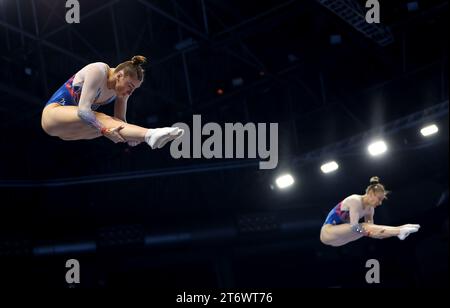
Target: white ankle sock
(148,134)
(405,231)
(160,136)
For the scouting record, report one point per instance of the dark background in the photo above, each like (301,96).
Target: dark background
(137,217)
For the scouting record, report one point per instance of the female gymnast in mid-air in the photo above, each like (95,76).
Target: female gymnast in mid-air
(342,224)
(70,112)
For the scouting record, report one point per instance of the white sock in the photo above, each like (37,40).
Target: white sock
(148,134)
(405,231)
(177,134)
(160,136)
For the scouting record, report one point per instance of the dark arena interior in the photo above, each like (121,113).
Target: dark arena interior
(317,80)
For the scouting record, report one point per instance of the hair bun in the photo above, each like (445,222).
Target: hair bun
(138,60)
(374,180)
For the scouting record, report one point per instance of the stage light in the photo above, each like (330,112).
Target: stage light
(377,148)
(429,130)
(285,181)
(329,167)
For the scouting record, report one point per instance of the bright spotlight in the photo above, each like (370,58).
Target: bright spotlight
(329,167)
(284,181)
(429,130)
(377,148)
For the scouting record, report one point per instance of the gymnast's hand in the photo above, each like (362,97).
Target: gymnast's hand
(113,134)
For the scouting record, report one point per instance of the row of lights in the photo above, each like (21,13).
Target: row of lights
(375,149)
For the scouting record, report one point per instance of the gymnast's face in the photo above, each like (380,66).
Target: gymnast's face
(126,85)
(376,198)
